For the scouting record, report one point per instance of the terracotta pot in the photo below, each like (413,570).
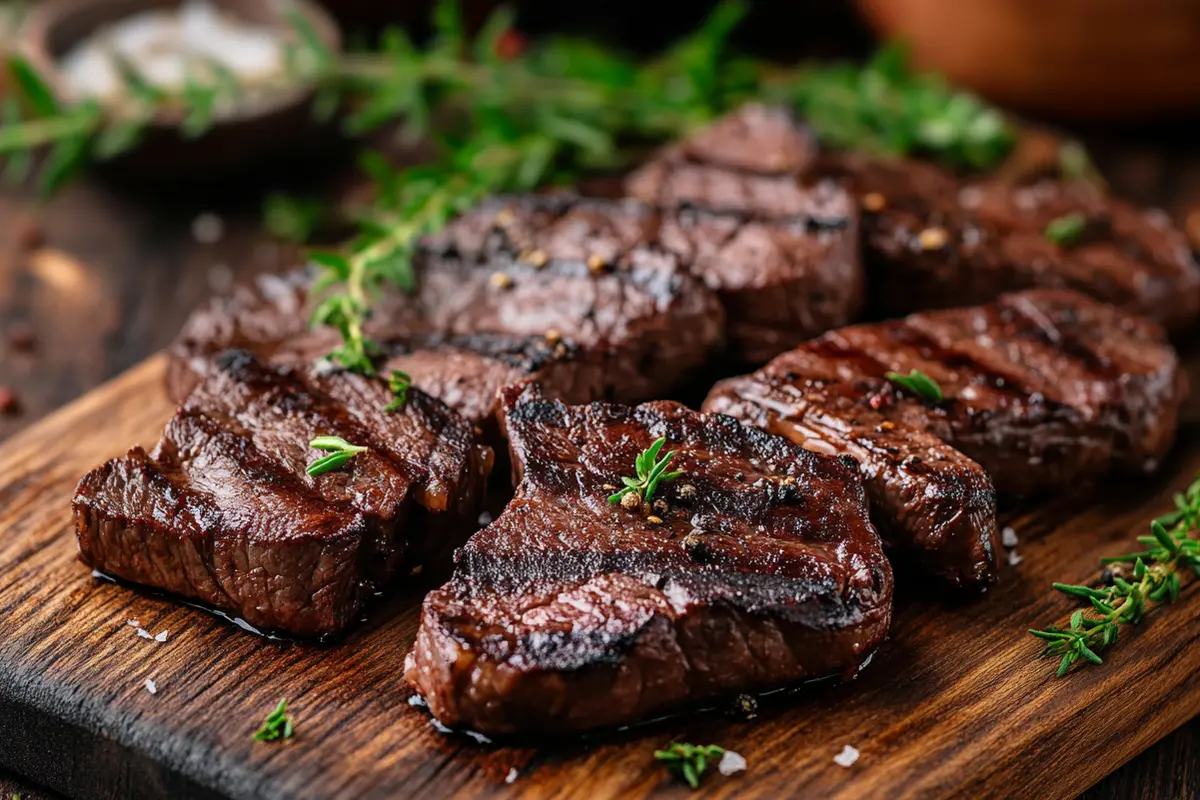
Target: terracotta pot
(1099,59)
(281,125)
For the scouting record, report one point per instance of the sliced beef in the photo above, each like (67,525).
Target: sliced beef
(758,568)
(1043,389)
(782,253)
(931,240)
(222,510)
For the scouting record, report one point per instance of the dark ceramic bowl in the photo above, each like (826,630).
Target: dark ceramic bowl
(280,125)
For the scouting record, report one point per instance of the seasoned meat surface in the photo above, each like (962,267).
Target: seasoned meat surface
(1043,389)
(931,240)
(758,568)
(486,312)
(223,510)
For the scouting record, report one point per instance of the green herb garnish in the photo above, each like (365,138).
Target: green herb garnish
(1064,231)
(884,108)
(651,470)
(278,725)
(1171,549)
(342,451)
(919,384)
(689,761)
(398,383)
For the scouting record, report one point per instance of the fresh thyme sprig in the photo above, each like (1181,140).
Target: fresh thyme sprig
(342,451)
(689,761)
(278,725)
(651,471)
(919,384)
(1170,549)
(885,108)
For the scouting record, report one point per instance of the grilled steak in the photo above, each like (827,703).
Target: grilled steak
(222,510)
(933,241)
(486,314)
(570,612)
(1043,389)
(782,255)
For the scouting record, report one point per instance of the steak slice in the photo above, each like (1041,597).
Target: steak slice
(485,314)
(1044,389)
(570,612)
(222,510)
(933,241)
(782,254)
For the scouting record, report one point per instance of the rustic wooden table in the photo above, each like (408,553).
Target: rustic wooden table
(115,272)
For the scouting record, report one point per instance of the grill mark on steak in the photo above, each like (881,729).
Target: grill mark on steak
(569,612)
(1045,389)
(223,510)
(627,331)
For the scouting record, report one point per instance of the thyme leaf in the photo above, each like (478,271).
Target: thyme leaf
(919,384)
(689,761)
(341,452)
(1171,550)
(278,725)
(398,384)
(1066,230)
(651,471)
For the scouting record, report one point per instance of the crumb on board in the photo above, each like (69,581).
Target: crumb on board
(847,757)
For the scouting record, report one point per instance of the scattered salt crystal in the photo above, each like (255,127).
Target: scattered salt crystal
(151,686)
(485,518)
(133,623)
(161,636)
(478,737)
(1014,558)
(847,757)
(1009,537)
(145,634)
(731,763)
(512,775)
(416,701)
(208,228)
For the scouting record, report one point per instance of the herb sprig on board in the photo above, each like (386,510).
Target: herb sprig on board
(278,725)
(689,761)
(507,119)
(1137,583)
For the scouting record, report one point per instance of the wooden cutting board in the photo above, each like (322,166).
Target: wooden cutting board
(956,703)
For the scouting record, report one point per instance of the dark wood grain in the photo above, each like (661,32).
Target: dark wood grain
(955,704)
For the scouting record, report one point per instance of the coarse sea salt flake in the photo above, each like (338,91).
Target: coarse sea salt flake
(731,763)
(151,686)
(1014,558)
(847,757)
(161,636)
(1009,537)
(145,634)
(133,623)
(512,775)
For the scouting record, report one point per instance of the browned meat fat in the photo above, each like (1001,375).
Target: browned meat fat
(758,568)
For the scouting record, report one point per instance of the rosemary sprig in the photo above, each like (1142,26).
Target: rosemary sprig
(341,452)
(1066,230)
(651,471)
(919,384)
(398,384)
(1170,550)
(689,761)
(278,725)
